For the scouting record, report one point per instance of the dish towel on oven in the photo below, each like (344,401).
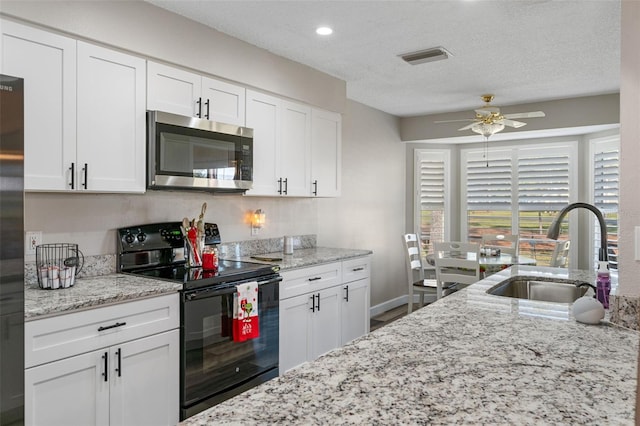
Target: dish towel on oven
(245,312)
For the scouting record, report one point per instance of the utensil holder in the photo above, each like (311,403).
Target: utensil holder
(57,265)
(194,252)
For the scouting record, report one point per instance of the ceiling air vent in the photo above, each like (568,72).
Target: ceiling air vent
(428,55)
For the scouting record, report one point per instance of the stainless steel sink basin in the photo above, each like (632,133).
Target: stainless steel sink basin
(546,291)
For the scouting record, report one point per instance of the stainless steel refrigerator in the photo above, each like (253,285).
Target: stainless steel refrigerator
(11,250)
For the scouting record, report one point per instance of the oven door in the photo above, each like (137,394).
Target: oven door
(191,153)
(214,367)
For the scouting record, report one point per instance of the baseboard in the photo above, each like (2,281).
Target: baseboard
(398,301)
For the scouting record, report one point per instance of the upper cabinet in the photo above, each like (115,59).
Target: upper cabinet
(181,92)
(84,112)
(281,145)
(326,153)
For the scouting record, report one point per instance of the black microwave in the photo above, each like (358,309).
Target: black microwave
(195,154)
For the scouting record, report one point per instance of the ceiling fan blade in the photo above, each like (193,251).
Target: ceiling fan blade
(532,114)
(511,123)
(453,121)
(468,126)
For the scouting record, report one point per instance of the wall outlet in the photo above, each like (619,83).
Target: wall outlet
(33,239)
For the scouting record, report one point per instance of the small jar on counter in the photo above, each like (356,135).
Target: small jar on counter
(210,258)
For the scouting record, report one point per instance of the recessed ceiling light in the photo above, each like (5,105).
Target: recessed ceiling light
(324,31)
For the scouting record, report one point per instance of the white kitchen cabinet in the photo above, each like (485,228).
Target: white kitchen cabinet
(47,62)
(115,365)
(111,120)
(281,144)
(182,92)
(84,112)
(326,153)
(321,308)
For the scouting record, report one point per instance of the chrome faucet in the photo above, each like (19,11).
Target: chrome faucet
(554,229)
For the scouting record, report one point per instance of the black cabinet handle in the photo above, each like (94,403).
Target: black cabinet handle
(315,278)
(280,186)
(313,303)
(86,171)
(73,176)
(118,324)
(199,113)
(358,269)
(119,369)
(346,297)
(106,366)
(318,305)
(315,187)
(207,104)
(286,186)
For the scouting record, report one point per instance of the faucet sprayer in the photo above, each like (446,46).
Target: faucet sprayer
(554,228)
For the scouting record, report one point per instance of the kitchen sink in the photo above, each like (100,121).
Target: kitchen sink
(547,291)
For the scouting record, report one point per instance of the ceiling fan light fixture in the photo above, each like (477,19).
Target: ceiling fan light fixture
(487,129)
(428,55)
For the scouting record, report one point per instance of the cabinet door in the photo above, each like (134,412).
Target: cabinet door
(296,150)
(73,391)
(111,120)
(326,153)
(355,310)
(172,90)
(226,102)
(325,325)
(145,381)
(295,331)
(47,62)
(263,117)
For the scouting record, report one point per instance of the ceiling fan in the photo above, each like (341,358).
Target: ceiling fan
(489,120)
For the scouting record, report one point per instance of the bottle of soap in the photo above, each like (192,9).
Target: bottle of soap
(603,284)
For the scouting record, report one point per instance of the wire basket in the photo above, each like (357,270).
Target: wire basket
(57,265)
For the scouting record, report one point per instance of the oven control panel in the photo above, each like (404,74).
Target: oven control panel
(158,236)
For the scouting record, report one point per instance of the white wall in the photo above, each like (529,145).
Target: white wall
(629,148)
(370,214)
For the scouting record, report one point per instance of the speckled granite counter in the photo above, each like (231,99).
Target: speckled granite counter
(469,358)
(92,292)
(306,257)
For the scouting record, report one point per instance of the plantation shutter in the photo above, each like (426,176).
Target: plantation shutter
(543,180)
(489,186)
(431,191)
(606,183)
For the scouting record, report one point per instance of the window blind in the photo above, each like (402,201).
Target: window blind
(543,181)
(431,191)
(488,187)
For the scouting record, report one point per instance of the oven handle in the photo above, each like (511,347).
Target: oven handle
(203,293)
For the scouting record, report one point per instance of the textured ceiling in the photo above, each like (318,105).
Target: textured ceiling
(522,51)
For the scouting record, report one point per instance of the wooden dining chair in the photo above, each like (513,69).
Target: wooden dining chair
(457,264)
(415,272)
(507,243)
(560,255)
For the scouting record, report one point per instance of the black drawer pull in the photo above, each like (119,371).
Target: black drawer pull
(106,366)
(315,278)
(313,303)
(346,297)
(357,269)
(118,324)
(73,175)
(119,369)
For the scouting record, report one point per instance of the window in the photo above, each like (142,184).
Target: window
(432,195)
(519,191)
(605,155)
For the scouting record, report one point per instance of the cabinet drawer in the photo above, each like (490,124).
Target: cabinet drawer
(307,280)
(356,269)
(62,336)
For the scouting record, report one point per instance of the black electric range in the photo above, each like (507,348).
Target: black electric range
(157,251)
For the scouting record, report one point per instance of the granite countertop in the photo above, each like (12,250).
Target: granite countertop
(92,292)
(469,358)
(305,257)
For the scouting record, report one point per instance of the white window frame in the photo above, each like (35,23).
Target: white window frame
(443,155)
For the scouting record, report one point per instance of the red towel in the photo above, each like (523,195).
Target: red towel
(245,312)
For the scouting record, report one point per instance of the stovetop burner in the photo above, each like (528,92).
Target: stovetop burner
(157,251)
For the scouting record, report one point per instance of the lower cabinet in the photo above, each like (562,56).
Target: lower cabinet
(320,312)
(133,382)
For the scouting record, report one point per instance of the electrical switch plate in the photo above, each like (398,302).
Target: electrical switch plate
(636,238)
(33,239)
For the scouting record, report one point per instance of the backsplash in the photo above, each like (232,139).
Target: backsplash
(107,264)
